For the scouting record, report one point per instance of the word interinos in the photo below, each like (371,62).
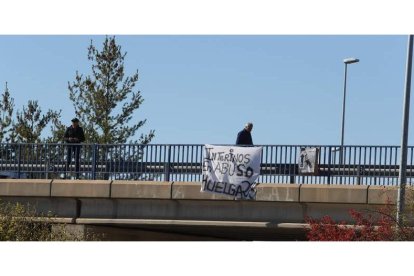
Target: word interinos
(231,170)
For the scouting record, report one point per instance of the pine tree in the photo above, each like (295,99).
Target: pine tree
(6,114)
(105,101)
(30,123)
(58,131)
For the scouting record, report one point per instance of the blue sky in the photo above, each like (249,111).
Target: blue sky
(203,88)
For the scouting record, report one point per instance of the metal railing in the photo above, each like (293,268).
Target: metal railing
(364,165)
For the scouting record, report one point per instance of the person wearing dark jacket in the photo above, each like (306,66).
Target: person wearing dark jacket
(74,135)
(244,137)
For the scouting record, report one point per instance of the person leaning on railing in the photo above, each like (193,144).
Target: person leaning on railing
(74,135)
(244,137)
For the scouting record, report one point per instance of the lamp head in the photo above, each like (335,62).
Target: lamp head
(351,60)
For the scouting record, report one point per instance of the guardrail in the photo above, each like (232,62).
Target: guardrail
(368,165)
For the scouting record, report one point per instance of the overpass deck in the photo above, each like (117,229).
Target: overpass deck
(278,212)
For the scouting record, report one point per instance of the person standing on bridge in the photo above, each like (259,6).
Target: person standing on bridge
(244,137)
(74,135)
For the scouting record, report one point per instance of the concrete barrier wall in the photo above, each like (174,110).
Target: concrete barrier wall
(191,191)
(333,194)
(81,188)
(140,189)
(279,192)
(25,187)
(275,203)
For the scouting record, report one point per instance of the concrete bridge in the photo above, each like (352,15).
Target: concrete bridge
(139,210)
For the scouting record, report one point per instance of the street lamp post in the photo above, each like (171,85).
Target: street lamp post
(346,62)
(402,177)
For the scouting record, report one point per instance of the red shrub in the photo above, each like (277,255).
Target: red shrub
(365,228)
(326,229)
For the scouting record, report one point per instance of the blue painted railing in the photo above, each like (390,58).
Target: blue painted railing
(365,165)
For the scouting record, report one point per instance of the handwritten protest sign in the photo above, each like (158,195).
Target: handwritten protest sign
(231,170)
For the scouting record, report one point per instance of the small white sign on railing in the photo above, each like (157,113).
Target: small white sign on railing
(308,161)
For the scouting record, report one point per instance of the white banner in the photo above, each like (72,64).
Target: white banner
(231,170)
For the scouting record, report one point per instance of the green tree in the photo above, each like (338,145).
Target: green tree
(58,131)
(30,123)
(6,115)
(105,101)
